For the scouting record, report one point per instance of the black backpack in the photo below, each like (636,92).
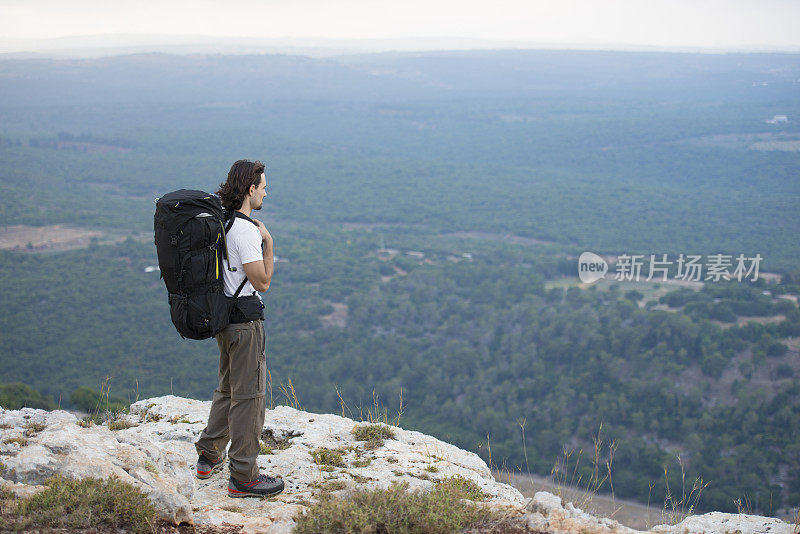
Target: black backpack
(190,229)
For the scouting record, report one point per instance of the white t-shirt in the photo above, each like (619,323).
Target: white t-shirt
(244,246)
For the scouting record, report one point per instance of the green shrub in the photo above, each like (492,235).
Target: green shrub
(362,462)
(462,486)
(86,503)
(18,395)
(32,428)
(93,401)
(396,510)
(21,441)
(120,423)
(373,434)
(328,457)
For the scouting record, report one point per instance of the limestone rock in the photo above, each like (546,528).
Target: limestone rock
(722,523)
(156,453)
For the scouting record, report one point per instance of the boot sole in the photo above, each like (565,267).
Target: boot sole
(238,493)
(210,473)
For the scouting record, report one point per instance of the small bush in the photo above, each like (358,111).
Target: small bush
(373,434)
(459,485)
(32,428)
(330,485)
(150,466)
(396,509)
(18,395)
(87,421)
(328,457)
(92,401)
(181,419)
(86,503)
(432,469)
(120,423)
(362,462)
(21,441)
(265,449)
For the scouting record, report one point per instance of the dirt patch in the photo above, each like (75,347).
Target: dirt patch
(338,317)
(386,254)
(377,226)
(741,321)
(507,238)
(743,141)
(630,513)
(398,272)
(783,146)
(43,238)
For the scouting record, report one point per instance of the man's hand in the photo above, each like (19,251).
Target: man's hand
(260,272)
(265,235)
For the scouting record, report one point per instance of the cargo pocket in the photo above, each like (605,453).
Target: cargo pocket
(248,365)
(263,342)
(262,375)
(262,358)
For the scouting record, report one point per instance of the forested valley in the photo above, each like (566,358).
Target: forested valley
(428,233)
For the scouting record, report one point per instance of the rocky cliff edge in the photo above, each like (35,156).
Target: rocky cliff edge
(156,453)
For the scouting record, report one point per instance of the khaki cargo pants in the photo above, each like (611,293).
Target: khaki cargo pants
(239,403)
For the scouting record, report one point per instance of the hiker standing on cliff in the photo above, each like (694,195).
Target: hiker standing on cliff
(239,403)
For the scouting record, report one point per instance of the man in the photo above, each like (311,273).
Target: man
(239,403)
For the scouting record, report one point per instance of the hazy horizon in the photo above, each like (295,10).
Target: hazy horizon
(375,25)
(98,45)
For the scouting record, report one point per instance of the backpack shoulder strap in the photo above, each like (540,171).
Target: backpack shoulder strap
(226,227)
(241,286)
(241,215)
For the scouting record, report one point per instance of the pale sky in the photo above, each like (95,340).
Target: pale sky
(725,24)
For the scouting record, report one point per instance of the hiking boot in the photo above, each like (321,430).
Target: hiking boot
(206,468)
(263,486)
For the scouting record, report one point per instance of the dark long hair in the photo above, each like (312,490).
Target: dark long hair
(242,175)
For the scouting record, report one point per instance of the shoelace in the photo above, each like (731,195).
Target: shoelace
(260,479)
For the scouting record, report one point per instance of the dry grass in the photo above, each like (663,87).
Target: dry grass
(19,440)
(79,504)
(290,394)
(362,462)
(32,428)
(447,508)
(120,423)
(373,434)
(679,507)
(375,413)
(328,457)
(567,472)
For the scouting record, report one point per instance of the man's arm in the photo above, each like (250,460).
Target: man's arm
(260,272)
